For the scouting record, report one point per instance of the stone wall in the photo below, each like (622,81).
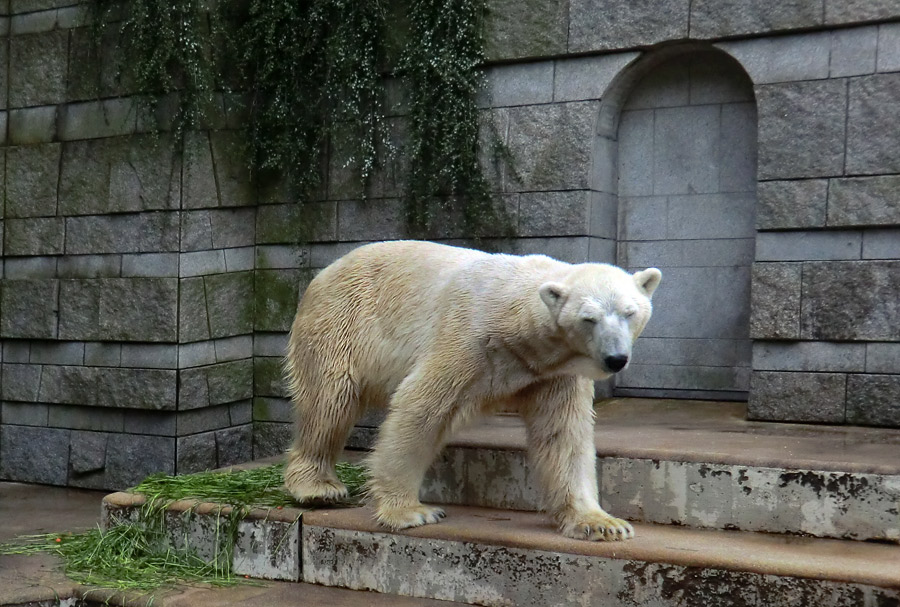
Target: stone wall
(145,295)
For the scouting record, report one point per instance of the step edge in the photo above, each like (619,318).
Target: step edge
(784,568)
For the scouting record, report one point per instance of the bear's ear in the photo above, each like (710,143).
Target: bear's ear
(554,296)
(647,280)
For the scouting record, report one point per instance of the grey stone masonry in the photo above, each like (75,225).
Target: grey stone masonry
(146,289)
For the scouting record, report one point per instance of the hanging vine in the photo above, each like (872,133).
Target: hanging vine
(311,70)
(165,55)
(440,66)
(313,74)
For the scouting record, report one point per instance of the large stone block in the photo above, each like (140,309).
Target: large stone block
(229,303)
(276,293)
(20,382)
(68,385)
(881,244)
(78,417)
(18,461)
(797,397)
(131,233)
(198,177)
(34,125)
(872,127)
(45,54)
(31,179)
(775,301)
(119,174)
(582,78)
(270,439)
(521,84)
(791,204)
(853,51)
(888,59)
(34,236)
(552,145)
(808,245)
(217,229)
(230,382)
(720,18)
(864,201)
(193,324)
(882,358)
(234,445)
(24,414)
(88,452)
(137,389)
(534,28)
(233,180)
(855,11)
(801,129)
(269,409)
(119,309)
(371,219)
(196,453)
(268,376)
(29,308)
(610,24)
(193,389)
(809,356)
(555,213)
(105,79)
(851,300)
(131,458)
(873,400)
(95,119)
(294,223)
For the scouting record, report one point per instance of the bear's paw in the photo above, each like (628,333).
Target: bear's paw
(404,518)
(596,526)
(318,492)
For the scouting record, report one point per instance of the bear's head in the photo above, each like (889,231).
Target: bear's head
(600,310)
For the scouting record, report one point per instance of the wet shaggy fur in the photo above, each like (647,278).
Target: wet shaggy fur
(440,335)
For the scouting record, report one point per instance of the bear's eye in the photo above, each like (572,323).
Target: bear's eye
(588,320)
(629,313)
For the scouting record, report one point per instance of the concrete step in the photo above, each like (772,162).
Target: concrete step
(699,464)
(496,557)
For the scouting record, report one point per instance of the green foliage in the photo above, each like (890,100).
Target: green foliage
(313,74)
(311,70)
(166,55)
(440,67)
(138,554)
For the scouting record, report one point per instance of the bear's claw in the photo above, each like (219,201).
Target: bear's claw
(598,527)
(405,518)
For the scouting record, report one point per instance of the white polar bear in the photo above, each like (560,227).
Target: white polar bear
(442,334)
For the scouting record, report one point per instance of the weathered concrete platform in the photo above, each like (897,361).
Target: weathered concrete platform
(38,580)
(497,557)
(699,464)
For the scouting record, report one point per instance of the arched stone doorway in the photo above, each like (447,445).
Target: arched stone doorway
(686,194)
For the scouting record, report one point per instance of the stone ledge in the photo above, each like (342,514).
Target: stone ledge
(268,540)
(523,561)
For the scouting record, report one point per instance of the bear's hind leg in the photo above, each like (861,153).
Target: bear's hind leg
(323,422)
(424,410)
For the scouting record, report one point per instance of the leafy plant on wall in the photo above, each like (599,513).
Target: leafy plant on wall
(313,76)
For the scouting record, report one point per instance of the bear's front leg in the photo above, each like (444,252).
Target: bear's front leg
(559,418)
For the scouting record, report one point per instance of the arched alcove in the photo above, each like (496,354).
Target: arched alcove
(679,129)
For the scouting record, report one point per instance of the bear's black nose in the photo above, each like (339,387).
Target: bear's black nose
(615,363)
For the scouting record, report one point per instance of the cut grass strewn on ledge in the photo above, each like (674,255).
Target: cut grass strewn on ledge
(137,555)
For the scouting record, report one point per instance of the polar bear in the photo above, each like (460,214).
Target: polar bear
(440,335)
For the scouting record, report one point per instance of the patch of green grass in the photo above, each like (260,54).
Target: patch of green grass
(138,555)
